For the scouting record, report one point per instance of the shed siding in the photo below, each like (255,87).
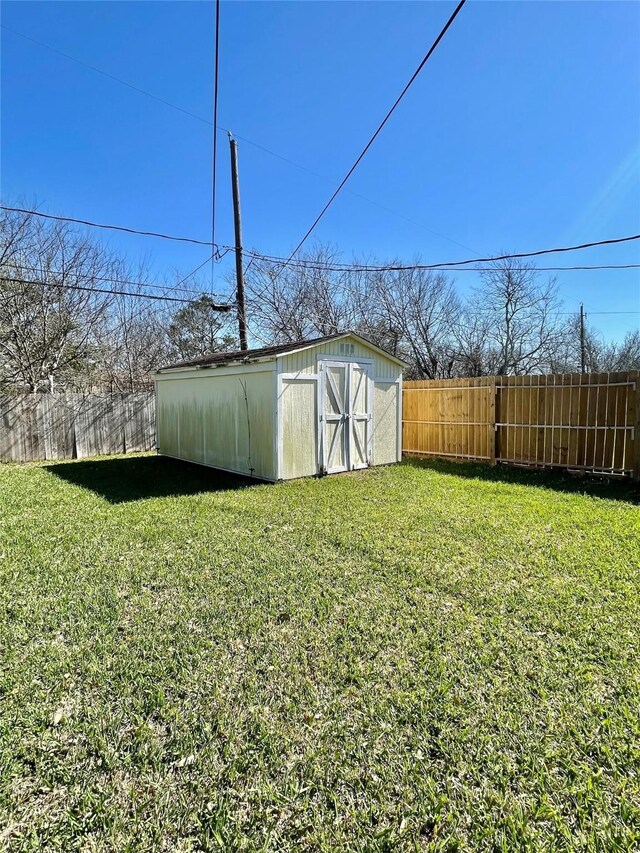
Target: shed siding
(208,420)
(385,422)
(306,361)
(299,429)
(300,362)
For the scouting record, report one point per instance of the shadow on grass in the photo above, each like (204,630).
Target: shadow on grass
(134,478)
(618,489)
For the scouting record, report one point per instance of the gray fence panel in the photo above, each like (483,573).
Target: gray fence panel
(67,426)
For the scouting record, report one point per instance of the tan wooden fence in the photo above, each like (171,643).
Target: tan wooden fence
(586,422)
(67,426)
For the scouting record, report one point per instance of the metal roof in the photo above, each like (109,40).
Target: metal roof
(247,356)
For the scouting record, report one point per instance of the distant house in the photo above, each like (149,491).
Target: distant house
(320,406)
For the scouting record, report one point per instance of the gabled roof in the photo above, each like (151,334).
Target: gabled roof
(247,356)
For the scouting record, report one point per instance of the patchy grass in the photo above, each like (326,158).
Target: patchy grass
(430,657)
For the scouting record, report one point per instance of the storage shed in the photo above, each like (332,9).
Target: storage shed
(296,410)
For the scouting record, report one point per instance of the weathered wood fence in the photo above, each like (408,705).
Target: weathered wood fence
(68,426)
(586,422)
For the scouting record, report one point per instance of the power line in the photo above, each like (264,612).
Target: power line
(215,138)
(319,266)
(223,308)
(129,282)
(110,227)
(555,269)
(193,272)
(105,74)
(537,253)
(381,125)
(302,263)
(213,257)
(447,264)
(352,192)
(226,130)
(272,153)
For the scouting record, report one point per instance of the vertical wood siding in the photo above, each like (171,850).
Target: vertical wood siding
(299,429)
(385,422)
(306,361)
(68,426)
(586,422)
(209,420)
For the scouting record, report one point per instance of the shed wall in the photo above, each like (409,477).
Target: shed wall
(386,402)
(207,419)
(298,408)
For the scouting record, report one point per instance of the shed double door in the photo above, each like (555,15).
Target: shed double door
(345,416)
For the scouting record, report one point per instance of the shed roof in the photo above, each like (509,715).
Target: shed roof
(247,356)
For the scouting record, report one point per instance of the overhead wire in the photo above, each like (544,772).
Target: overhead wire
(254,144)
(445,266)
(343,267)
(251,142)
(424,61)
(105,74)
(194,271)
(215,137)
(353,192)
(138,295)
(126,282)
(109,226)
(539,252)
(288,261)
(319,266)
(215,256)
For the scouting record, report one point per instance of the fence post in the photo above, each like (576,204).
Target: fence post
(494,407)
(496,383)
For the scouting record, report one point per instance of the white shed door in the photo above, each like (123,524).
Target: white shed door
(359,415)
(345,415)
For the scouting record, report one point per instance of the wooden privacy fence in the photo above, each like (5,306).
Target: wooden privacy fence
(68,426)
(586,422)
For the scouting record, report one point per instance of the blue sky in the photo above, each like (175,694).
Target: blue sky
(523,131)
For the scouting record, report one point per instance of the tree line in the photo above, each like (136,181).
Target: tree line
(89,329)
(512,322)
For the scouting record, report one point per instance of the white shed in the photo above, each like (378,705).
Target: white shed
(296,410)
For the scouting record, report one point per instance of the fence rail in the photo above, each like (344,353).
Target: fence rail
(587,422)
(68,426)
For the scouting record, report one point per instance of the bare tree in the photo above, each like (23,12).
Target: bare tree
(624,355)
(51,308)
(523,326)
(417,310)
(306,300)
(470,335)
(133,342)
(410,312)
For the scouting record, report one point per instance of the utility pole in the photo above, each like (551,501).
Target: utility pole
(235,184)
(583,368)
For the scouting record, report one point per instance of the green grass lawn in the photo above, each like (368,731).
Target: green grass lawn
(420,657)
